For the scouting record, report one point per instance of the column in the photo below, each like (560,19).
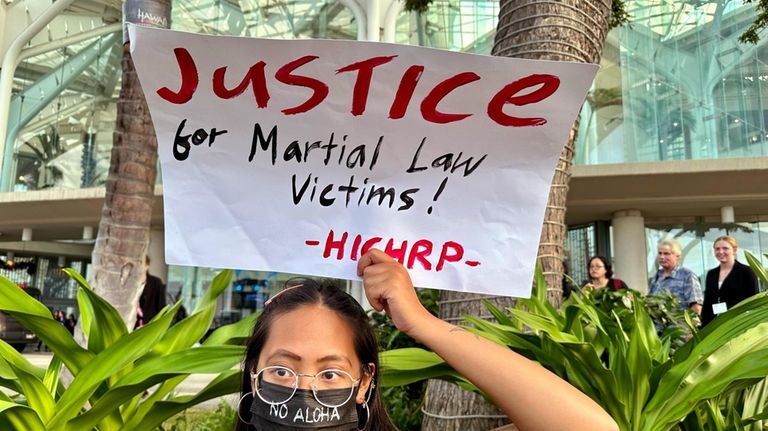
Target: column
(629,249)
(156,253)
(727,215)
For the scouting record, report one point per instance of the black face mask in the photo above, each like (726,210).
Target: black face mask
(303,412)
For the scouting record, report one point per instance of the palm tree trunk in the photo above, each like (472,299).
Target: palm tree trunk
(566,30)
(123,238)
(118,269)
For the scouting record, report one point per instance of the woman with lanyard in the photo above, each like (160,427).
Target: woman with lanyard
(729,283)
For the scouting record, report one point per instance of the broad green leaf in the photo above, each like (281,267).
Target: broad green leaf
(544,324)
(8,376)
(590,312)
(110,361)
(715,417)
(731,322)
(18,361)
(761,417)
(225,383)
(410,358)
(757,267)
(497,313)
(218,285)
(140,407)
(38,397)
(645,329)
(102,323)
(52,373)
(186,332)
(234,333)
(755,403)
(585,367)
(17,417)
(36,317)
(744,356)
(191,329)
(6,370)
(733,420)
(167,387)
(202,360)
(504,335)
(641,359)
(695,421)
(538,303)
(24,378)
(15,299)
(404,366)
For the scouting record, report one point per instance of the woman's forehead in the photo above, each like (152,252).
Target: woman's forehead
(309,335)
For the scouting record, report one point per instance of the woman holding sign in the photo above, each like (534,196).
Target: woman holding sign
(729,283)
(312,362)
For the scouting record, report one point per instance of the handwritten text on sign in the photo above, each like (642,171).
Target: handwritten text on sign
(299,156)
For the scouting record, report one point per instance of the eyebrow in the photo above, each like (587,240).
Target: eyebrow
(282,353)
(335,358)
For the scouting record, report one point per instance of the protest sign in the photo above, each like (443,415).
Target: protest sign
(298,156)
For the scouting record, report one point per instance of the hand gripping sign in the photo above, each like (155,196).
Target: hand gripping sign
(299,156)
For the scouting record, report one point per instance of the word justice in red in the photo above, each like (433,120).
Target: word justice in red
(408,254)
(527,90)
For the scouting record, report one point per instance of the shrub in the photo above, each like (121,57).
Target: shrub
(713,381)
(121,380)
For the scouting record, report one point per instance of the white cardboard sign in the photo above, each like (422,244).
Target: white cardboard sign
(297,156)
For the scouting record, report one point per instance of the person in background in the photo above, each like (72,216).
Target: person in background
(566,282)
(601,275)
(727,284)
(70,323)
(675,279)
(152,298)
(181,313)
(40,344)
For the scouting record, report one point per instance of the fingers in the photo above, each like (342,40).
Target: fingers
(372,257)
(378,280)
(380,275)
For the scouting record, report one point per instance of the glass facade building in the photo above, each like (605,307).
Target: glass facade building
(675,85)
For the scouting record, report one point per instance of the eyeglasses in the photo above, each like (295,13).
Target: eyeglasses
(332,380)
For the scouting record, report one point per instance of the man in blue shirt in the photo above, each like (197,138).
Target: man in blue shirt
(679,281)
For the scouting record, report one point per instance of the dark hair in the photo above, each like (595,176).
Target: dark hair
(311,292)
(606,264)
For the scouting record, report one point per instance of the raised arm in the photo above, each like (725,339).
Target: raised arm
(533,397)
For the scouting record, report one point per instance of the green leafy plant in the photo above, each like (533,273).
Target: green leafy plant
(121,380)
(674,323)
(616,357)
